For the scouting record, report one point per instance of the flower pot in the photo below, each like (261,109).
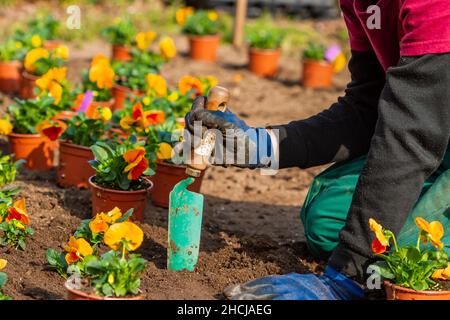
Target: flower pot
(27,85)
(74,169)
(317,74)
(165,179)
(264,62)
(10,76)
(38,151)
(120,53)
(65,115)
(52,44)
(394,292)
(119,94)
(78,294)
(204,48)
(104,200)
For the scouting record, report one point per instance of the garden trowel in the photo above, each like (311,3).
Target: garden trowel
(186,207)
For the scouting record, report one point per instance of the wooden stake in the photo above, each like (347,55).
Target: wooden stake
(239,23)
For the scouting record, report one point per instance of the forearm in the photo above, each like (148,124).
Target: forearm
(345,129)
(409,143)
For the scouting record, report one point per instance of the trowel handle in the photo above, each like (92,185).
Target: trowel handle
(218,98)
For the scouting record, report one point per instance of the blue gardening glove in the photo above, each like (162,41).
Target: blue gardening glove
(330,286)
(249,147)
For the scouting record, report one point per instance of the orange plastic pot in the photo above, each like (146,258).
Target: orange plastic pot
(317,74)
(120,53)
(52,44)
(165,179)
(38,151)
(104,200)
(74,169)
(75,294)
(119,94)
(10,76)
(264,62)
(204,48)
(27,84)
(394,292)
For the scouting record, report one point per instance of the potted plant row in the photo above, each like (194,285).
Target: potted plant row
(202,28)
(93,273)
(413,272)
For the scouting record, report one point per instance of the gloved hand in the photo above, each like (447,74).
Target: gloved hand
(330,286)
(250,147)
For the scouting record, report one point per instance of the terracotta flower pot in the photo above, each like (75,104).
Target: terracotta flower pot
(204,48)
(27,84)
(52,44)
(75,294)
(38,151)
(74,169)
(264,62)
(120,53)
(104,200)
(10,76)
(394,292)
(119,94)
(165,179)
(317,74)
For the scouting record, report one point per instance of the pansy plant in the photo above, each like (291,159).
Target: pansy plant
(85,242)
(414,267)
(14,224)
(117,272)
(122,165)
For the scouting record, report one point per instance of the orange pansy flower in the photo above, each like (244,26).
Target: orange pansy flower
(433,231)
(137,163)
(190,84)
(77,249)
(18,212)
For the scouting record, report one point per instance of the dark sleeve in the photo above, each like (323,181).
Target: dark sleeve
(344,130)
(409,143)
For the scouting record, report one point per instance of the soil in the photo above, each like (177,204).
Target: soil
(251,224)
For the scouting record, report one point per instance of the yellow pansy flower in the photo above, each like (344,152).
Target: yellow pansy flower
(36,41)
(145,39)
(5,126)
(33,56)
(378,230)
(433,231)
(339,63)
(3,264)
(62,52)
(165,151)
(212,15)
(182,14)
(126,233)
(173,96)
(167,48)
(156,85)
(442,274)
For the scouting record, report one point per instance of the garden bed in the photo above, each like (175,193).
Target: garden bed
(251,224)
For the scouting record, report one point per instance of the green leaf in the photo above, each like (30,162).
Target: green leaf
(99,153)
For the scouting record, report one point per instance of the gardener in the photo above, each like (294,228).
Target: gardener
(388,137)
